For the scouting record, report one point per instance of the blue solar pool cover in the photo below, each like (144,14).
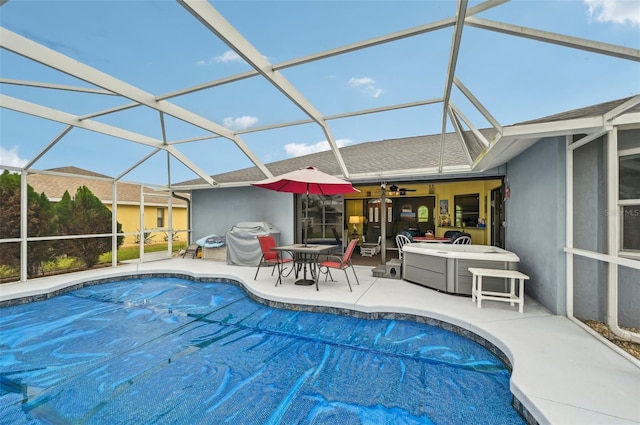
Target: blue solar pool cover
(173,351)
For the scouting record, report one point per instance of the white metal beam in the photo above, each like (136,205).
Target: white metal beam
(40,111)
(51,114)
(555,128)
(621,109)
(455,49)
(451,70)
(344,115)
(217,24)
(348,48)
(55,86)
(494,122)
(140,161)
(399,35)
(310,121)
(387,38)
(467,121)
(48,147)
(587,139)
(41,54)
(558,39)
(517,138)
(459,134)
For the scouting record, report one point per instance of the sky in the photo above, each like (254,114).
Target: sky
(159,47)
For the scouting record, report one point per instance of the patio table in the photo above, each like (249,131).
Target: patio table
(431,240)
(307,256)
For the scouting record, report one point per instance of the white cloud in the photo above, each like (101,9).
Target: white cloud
(367,86)
(299,149)
(11,157)
(615,11)
(356,82)
(226,57)
(239,123)
(373,92)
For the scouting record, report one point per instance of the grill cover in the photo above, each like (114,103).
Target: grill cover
(243,248)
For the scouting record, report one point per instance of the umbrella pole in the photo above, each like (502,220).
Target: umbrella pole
(383,225)
(306,218)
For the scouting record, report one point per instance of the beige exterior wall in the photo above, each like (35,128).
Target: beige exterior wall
(129,217)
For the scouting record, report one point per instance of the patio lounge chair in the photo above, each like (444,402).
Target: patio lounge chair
(371,249)
(335,262)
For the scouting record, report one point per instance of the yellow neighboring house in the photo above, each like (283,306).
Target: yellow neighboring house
(156,208)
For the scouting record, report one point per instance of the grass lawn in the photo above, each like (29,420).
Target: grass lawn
(132,252)
(70,264)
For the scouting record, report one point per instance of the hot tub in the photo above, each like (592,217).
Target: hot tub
(445,267)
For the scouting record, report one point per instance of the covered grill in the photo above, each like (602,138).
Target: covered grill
(243,248)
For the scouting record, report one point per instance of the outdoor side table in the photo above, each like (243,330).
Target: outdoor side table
(477,294)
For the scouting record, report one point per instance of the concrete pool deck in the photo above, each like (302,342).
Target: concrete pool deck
(562,373)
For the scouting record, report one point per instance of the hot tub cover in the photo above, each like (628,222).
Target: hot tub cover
(243,248)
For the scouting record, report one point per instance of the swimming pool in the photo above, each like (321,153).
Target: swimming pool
(171,350)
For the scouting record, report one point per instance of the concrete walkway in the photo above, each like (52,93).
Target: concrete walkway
(562,374)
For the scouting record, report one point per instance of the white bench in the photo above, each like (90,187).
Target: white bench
(478,294)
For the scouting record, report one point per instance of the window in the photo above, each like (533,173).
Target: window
(423,213)
(629,201)
(629,177)
(160,217)
(467,210)
(325,214)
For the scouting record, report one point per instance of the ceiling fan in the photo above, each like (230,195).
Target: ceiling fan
(394,190)
(390,190)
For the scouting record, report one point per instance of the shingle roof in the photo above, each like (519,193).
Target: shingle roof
(587,112)
(54,187)
(368,157)
(401,154)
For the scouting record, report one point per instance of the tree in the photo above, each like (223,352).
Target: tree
(63,213)
(86,214)
(40,222)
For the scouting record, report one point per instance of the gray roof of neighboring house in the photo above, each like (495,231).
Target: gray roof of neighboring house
(54,186)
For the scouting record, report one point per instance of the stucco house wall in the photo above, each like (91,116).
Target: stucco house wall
(590,233)
(536,229)
(218,210)
(589,229)
(536,220)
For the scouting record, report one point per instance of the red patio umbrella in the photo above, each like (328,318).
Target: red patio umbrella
(307,181)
